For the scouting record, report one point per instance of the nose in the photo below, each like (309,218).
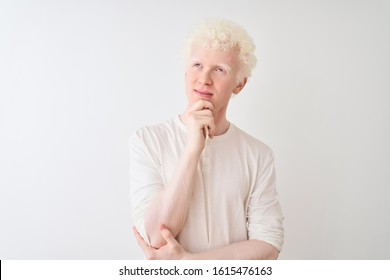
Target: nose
(205,78)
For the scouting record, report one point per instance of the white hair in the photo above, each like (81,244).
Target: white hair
(224,35)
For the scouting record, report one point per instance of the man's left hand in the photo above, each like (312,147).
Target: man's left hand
(170,251)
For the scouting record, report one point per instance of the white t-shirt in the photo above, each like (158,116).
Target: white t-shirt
(234,198)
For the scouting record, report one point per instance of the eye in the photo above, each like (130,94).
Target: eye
(197,65)
(220,70)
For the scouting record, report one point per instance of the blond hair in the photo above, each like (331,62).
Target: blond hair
(223,35)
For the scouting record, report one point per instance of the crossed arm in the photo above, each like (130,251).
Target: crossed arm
(162,214)
(166,213)
(172,250)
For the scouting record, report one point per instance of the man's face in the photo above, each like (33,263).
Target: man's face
(212,76)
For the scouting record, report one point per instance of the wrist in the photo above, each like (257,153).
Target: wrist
(193,152)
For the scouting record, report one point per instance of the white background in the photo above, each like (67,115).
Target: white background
(78,77)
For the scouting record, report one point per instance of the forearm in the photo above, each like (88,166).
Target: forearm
(171,206)
(244,250)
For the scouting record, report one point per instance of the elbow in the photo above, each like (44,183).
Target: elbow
(265,251)
(273,254)
(156,240)
(157,243)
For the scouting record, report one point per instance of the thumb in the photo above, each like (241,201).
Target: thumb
(167,235)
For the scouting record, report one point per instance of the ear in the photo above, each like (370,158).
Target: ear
(240,86)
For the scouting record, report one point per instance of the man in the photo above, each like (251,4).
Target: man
(201,188)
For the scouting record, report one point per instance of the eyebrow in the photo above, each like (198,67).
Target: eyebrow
(227,67)
(193,60)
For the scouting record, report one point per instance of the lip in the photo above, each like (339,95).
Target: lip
(203,94)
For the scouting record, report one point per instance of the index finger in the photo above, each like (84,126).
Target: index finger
(203,104)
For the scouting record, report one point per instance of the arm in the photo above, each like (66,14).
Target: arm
(170,206)
(265,228)
(245,250)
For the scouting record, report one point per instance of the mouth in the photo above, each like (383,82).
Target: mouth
(203,94)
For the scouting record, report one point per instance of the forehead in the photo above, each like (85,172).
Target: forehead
(208,56)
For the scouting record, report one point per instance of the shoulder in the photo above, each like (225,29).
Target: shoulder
(156,132)
(252,143)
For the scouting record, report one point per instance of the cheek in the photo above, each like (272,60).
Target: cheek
(227,85)
(189,78)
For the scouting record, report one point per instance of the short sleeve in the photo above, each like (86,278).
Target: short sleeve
(264,215)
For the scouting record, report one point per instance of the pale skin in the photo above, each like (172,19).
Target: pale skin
(210,82)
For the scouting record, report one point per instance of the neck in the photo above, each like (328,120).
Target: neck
(221,125)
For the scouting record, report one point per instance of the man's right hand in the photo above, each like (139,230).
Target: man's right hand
(200,124)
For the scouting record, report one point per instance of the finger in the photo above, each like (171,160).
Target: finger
(202,105)
(207,124)
(141,242)
(206,131)
(203,113)
(211,129)
(167,235)
(203,118)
